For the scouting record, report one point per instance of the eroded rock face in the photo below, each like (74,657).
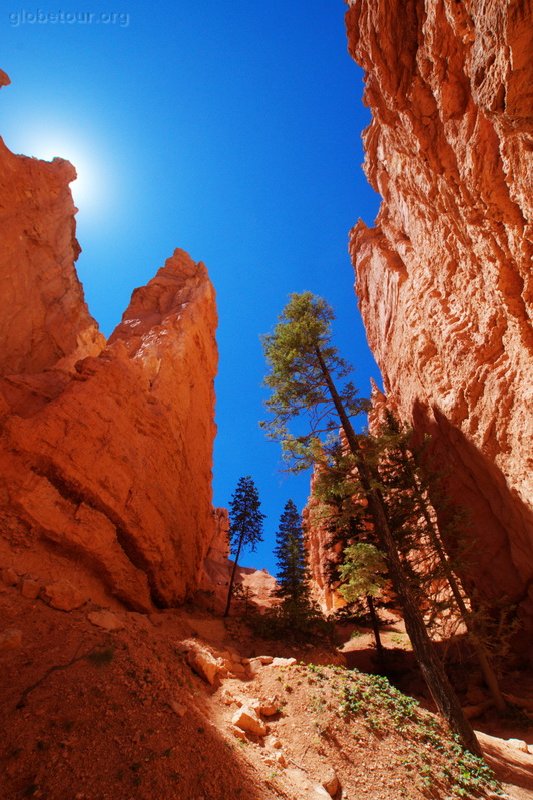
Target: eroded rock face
(44,316)
(323,552)
(444,278)
(105,450)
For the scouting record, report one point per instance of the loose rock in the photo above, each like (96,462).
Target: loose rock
(247,719)
(178,708)
(9,576)
(319,793)
(330,782)
(203,663)
(238,733)
(274,742)
(268,707)
(63,596)
(106,620)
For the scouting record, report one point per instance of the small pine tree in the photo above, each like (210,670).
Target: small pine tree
(364,574)
(363,571)
(292,576)
(246,525)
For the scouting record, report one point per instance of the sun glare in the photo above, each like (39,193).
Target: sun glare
(89,187)
(85,187)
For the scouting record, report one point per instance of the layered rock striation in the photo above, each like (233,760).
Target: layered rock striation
(444,277)
(105,448)
(323,553)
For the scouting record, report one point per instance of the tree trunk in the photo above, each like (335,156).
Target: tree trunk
(377,636)
(430,665)
(479,648)
(232,579)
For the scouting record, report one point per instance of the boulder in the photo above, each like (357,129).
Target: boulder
(106,620)
(268,708)
(63,596)
(204,663)
(247,720)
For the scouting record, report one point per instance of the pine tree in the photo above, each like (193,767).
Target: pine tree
(292,576)
(246,525)
(309,385)
(363,574)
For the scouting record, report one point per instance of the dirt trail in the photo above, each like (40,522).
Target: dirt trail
(100,705)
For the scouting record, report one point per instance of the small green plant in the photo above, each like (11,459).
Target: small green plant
(381,706)
(401,639)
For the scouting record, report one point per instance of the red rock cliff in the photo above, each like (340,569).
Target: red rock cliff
(444,278)
(105,450)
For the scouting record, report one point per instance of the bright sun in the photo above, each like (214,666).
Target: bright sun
(88,187)
(85,187)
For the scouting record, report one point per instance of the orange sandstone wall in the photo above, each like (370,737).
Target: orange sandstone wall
(444,277)
(105,449)
(320,552)
(43,317)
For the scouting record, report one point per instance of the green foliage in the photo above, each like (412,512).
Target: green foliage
(337,505)
(296,617)
(302,624)
(410,491)
(295,351)
(363,572)
(374,694)
(246,525)
(292,575)
(383,707)
(244,596)
(246,520)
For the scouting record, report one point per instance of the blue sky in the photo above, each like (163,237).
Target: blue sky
(231,129)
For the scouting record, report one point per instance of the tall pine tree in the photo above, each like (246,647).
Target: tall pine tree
(308,379)
(246,524)
(292,576)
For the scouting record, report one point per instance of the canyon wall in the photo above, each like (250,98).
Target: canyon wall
(105,448)
(322,552)
(444,277)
